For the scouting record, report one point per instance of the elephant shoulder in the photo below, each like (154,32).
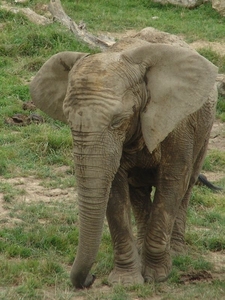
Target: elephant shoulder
(127,44)
(146,36)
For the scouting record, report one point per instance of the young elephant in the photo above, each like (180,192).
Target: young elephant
(140,116)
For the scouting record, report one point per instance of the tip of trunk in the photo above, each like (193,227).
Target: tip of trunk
(80,282)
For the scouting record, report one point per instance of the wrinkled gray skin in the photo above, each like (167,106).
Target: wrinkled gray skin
(140,116)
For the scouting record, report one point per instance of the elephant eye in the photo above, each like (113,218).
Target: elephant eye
(119,122)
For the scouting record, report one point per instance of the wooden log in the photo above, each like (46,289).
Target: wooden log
(29,13)
(80,32)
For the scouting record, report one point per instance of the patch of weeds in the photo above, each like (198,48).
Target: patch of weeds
(215,160)
(58,181)
(212,240)
(174,276)
(214,57)
(104,261)
(30,273)
(119,293)
(182,262)
(207,217)
(6,16)
(21,92)
(201,289)
(34,64)
(222,116)
(47,137)
(18,251)
(202,264)
(51,145)
(32,242)
(63,215)
(186,263)
(202,196)
(10,192)
(221,108)
(3,166)
(143,291)
(212,217)
(214,243)
(42,147)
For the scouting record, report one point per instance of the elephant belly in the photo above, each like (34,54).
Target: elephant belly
(138,177)
(142,167)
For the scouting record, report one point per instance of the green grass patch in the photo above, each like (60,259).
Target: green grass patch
(187,263)
(215,161)
(10,192)
(214,57)
(114,16)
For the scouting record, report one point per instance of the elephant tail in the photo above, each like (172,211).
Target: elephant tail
(202,180)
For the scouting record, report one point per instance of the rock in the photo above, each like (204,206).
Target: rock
(29,105)
(219,5)
(184,3)
(21,1)
(23,120)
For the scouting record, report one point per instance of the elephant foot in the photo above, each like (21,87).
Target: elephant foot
(81,285)
(157,271)
(125,278)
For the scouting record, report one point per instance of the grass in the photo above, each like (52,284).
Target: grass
(38,239)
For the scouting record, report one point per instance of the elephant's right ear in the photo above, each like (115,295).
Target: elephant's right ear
(178,82)
(48,88)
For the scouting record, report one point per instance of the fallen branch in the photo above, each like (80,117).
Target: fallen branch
(80,32)
(58,14)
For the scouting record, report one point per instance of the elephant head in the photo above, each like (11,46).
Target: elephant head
(114,101)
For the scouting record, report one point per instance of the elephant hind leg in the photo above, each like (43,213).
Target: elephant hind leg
(178,235)
(177,243)
(141,206)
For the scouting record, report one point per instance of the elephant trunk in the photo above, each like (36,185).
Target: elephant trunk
(94,177)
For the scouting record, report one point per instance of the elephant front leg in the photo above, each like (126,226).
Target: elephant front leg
(156,254)
(156,259)
(127,268)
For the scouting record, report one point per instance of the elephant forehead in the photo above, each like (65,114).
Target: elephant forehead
(104,72)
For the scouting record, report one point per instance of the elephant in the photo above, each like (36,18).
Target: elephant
(140,115)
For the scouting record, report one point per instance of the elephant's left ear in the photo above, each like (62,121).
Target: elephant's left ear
(178,82)
(48,88)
